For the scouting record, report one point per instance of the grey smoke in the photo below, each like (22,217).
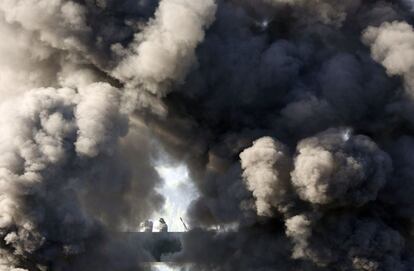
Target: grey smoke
(348,242)
(74,170)
(288,91)
(298,135)
(326,11)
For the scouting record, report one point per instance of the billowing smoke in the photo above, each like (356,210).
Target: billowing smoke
(295,119)
(308,106)
(336,167)
(75,170)
(265,166)
(164,51)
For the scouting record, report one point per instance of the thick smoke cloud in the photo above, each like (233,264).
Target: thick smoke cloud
(391,45)
(347,242)
(76,169)
(299,83)
(294,119)
(163,53)
(325,11)
(265,165)
(38,128)
(335,167)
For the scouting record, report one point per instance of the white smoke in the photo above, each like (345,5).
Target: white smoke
(299,228)
(392,45)
(165,51)
(331,168)
(265,166)
(60,23)
(98,118)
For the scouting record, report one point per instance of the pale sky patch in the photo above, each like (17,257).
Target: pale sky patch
(178,191)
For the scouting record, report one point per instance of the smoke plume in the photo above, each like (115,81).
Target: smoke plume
(294,118)
(75,171)
(264,165)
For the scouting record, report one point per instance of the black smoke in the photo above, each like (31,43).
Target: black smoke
(294,118)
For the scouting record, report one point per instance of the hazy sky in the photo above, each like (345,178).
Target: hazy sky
(178,191)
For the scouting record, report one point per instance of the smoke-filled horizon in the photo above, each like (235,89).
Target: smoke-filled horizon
(294,118)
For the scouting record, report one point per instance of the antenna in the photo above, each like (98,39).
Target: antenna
(185,226)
